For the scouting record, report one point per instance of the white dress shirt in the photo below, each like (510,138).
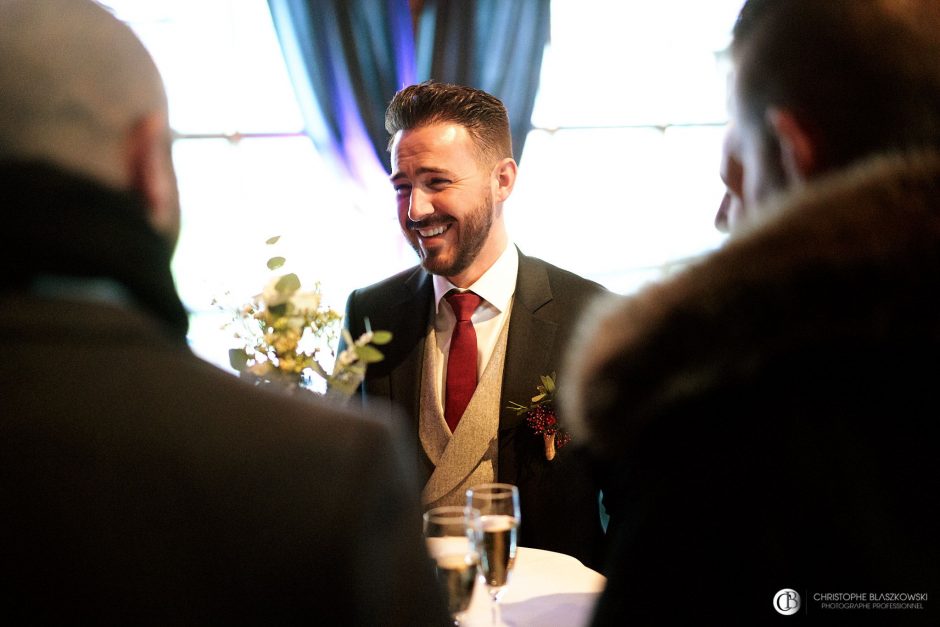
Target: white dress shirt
(496,287)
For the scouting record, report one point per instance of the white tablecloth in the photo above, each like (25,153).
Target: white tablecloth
(545,588)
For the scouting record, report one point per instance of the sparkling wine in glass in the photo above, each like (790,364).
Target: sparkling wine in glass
(453,537)
(498,504)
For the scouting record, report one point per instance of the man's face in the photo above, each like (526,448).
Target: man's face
(751,145)
(446,204)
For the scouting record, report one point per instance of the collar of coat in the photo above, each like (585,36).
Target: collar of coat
(61,224)
(853,255)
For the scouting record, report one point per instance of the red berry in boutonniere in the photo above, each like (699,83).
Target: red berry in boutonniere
(541,418)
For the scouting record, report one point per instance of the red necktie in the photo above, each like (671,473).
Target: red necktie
(462,358)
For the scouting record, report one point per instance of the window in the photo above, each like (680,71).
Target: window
(618,181)
(247,171)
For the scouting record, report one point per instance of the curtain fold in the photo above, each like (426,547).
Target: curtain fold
(493,45)
(347,58)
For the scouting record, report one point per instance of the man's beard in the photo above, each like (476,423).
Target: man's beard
(474,230)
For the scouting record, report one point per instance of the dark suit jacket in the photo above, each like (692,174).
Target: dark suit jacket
(141,485)
(559,499)
(773,411)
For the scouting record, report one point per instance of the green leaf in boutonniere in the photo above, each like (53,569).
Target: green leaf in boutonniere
(541,418)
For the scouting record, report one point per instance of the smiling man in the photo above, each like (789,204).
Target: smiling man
(477,322)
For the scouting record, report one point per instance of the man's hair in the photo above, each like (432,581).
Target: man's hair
(483,115)
(864,75)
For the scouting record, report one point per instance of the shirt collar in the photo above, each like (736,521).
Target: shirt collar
(496,286)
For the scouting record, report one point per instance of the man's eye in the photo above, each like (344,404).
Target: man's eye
(438,182)
(403,190)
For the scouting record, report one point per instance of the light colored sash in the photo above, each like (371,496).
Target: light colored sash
(467,456)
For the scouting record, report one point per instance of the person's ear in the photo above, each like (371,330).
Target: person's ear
(799,151)
(504,177)
(149,162)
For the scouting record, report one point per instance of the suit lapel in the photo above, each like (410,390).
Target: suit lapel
(531,339)
(532,332)
(413,315)
(528,350)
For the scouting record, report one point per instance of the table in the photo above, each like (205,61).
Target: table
(545,588)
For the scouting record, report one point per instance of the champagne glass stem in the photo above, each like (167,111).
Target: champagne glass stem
(495,593)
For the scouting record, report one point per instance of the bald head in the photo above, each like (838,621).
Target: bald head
(73,81)
(78,90)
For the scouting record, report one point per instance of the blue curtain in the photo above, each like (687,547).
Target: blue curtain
(493,45)
(347,58)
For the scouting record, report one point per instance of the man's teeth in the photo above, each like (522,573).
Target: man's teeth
(437,230)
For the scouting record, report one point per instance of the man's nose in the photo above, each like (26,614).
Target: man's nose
(419,206)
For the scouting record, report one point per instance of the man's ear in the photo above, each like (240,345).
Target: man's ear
(799,150)
(149,162)
(504,175)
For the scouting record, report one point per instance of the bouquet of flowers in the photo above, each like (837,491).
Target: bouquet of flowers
(284,332)
(541,418)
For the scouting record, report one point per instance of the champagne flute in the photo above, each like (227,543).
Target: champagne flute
(498,504)
(453,538)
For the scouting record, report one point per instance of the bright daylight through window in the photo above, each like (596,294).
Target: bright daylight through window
(618,181)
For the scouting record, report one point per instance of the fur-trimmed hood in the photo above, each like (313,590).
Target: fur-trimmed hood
(854,256)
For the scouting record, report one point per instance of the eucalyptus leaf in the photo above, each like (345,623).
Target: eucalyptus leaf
(369,354)
(381,337)
(272,240)
(288,284)
(238,359)
(276,262)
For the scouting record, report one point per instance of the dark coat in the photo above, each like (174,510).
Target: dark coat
(774,411)
(140,485)
(559,499)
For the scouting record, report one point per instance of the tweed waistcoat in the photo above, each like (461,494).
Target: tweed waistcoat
(467,456)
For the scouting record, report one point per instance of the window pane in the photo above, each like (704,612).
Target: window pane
(618,205)
(635,62)
(221,63)
(235,197)
(620,180)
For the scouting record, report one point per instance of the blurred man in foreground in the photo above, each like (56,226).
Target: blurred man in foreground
(139,484)
(773,409)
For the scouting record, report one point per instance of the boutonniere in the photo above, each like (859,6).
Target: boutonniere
(541,418)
